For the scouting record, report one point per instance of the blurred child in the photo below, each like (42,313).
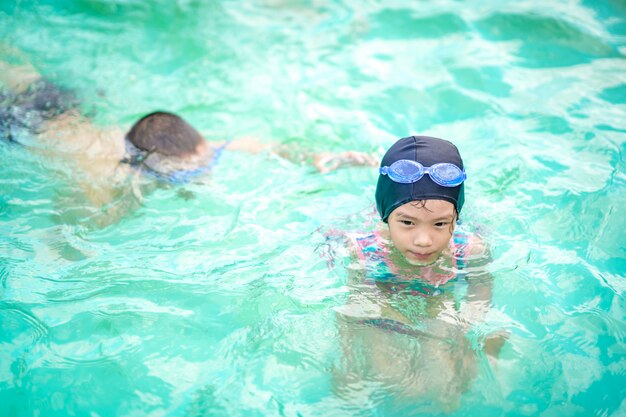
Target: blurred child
(112,169)
(414,295)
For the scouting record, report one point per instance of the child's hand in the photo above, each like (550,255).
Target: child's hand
(327,162)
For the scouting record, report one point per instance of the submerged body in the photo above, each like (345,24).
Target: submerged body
(102,161)
(113,168)
(408,327)
(417,285)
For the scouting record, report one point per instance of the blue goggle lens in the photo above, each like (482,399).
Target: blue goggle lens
(406,171)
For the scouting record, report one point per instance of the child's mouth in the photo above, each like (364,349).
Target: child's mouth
(420,259)
(421,256)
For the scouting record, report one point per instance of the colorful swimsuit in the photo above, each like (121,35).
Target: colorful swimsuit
(427,281)
(22,114)
(184,176)
(373,252)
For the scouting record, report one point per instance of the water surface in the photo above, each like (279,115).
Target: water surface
(214,301)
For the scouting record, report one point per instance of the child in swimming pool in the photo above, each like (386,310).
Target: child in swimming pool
(419,195)
(412,299)
(160,145)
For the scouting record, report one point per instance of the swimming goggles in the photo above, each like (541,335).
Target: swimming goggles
(153,164)
(406,171)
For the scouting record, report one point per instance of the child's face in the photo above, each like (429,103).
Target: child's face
(422,232)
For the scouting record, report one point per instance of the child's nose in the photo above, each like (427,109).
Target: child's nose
(422,239)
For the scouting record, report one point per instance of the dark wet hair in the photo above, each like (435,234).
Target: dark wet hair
(165,133)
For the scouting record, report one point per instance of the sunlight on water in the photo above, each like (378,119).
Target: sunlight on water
(213,298)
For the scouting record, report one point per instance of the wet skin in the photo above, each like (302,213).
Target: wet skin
(421,232)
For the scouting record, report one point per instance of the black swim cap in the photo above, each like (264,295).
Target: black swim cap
(427,151)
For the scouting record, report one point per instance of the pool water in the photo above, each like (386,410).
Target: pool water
(212,298)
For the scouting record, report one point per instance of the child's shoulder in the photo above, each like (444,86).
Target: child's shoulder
(357,247)
(369,243)
(468,248)
(476,245)
(469,240)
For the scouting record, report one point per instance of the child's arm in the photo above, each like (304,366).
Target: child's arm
(327,162)
(324,162)
(366,301)
(480,289)
(479,299)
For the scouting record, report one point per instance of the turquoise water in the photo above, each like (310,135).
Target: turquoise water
(213,300)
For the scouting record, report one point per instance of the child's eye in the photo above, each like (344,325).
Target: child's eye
(406,222)
(441,224)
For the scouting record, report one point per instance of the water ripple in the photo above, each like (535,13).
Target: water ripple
(210,297)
